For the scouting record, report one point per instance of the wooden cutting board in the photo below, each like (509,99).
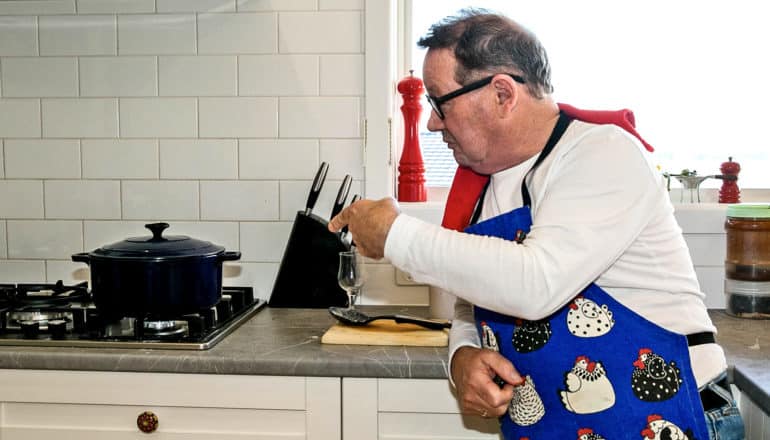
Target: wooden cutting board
(385,332)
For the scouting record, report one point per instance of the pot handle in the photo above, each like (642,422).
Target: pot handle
(82,257)
(230,256)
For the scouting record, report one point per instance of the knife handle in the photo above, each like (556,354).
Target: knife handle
(353,200)
(342,195)
(315,189)
(427,323)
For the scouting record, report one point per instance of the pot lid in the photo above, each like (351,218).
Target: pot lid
(159,246)
(749,210)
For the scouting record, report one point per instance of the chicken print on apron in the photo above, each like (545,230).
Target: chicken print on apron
(594,369)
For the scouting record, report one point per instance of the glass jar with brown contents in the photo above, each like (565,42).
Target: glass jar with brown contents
(747,261)
(748,242)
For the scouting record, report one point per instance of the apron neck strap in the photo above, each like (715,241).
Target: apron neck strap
(558,131)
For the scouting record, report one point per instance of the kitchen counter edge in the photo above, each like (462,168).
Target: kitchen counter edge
(286,342)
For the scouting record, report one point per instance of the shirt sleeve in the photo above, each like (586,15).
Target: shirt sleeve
(591,202)
(463,332)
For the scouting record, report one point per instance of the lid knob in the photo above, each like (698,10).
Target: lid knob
(157,230)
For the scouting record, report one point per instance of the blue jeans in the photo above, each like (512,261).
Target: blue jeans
(724,423)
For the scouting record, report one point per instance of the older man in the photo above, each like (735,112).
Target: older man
(578,310)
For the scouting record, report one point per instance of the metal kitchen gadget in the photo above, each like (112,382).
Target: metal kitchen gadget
(357,317)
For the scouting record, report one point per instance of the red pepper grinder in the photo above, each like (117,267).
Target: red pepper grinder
(729,193)
(411,169)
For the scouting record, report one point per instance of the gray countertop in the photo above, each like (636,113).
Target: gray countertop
(288,342)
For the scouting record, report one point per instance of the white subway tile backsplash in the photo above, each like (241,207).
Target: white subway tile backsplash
(277,5)
(378,288)
(197,76)
(342,75)
(357,5)
(242,200)
(101,233)
(40,76)
(264,241)
(345,156)
(294,197)
(158,117)
(118,76)
(160,199)
(18,36)
(238,117)
(19,118)
(278,158)
(36,7)
(198,159)
(156,34)
(22,271)
(169,110)
(69,272)
(320,117)
(120,158)
(278,75)
(223,234)
(78,35)
(260,276)
(21,199)
(23,158)
(320,32)
(44,239)
(115,6)
(82,199)
(80,117)
(240,33)
(196,5)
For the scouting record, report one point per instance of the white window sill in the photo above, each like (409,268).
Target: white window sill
(707,217)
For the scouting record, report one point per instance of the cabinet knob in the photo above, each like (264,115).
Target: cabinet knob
(147,422)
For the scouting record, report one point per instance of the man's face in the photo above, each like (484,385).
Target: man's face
(465,126)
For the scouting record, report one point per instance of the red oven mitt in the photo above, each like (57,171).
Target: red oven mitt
(467,185)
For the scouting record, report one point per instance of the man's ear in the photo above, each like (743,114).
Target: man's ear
(506,94)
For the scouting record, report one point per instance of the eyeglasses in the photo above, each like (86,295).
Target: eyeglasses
(436,102)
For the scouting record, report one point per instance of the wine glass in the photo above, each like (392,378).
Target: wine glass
(350,275)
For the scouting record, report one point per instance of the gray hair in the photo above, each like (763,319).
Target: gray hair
(484,41)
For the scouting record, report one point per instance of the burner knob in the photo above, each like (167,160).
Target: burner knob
(30,329)
(224,309)
(147,422)
(57,328)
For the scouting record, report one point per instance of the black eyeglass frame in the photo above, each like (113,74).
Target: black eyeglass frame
(435,102)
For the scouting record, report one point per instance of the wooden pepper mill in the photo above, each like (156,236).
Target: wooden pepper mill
(411,169)
(729,193)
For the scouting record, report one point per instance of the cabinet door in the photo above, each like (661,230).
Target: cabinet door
(98,405)
(408,409)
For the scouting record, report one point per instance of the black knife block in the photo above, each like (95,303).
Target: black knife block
(307,277)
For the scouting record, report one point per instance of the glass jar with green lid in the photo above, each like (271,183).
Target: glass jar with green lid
(747,260)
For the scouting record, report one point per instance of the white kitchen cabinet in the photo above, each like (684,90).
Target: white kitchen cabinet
(757,421)
(83,405)
(408,409)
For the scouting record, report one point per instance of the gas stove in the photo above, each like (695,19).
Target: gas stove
(65,316)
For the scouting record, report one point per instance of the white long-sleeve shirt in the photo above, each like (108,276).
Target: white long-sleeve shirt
(600,214)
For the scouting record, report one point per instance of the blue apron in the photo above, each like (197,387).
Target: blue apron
(594,369)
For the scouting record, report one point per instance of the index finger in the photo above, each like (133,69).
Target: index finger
(339,221)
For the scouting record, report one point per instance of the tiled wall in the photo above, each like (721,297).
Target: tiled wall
(212,115)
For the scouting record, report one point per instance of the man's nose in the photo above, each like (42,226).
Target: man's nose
(434,122)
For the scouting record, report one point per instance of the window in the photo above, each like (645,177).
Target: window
(693,73)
